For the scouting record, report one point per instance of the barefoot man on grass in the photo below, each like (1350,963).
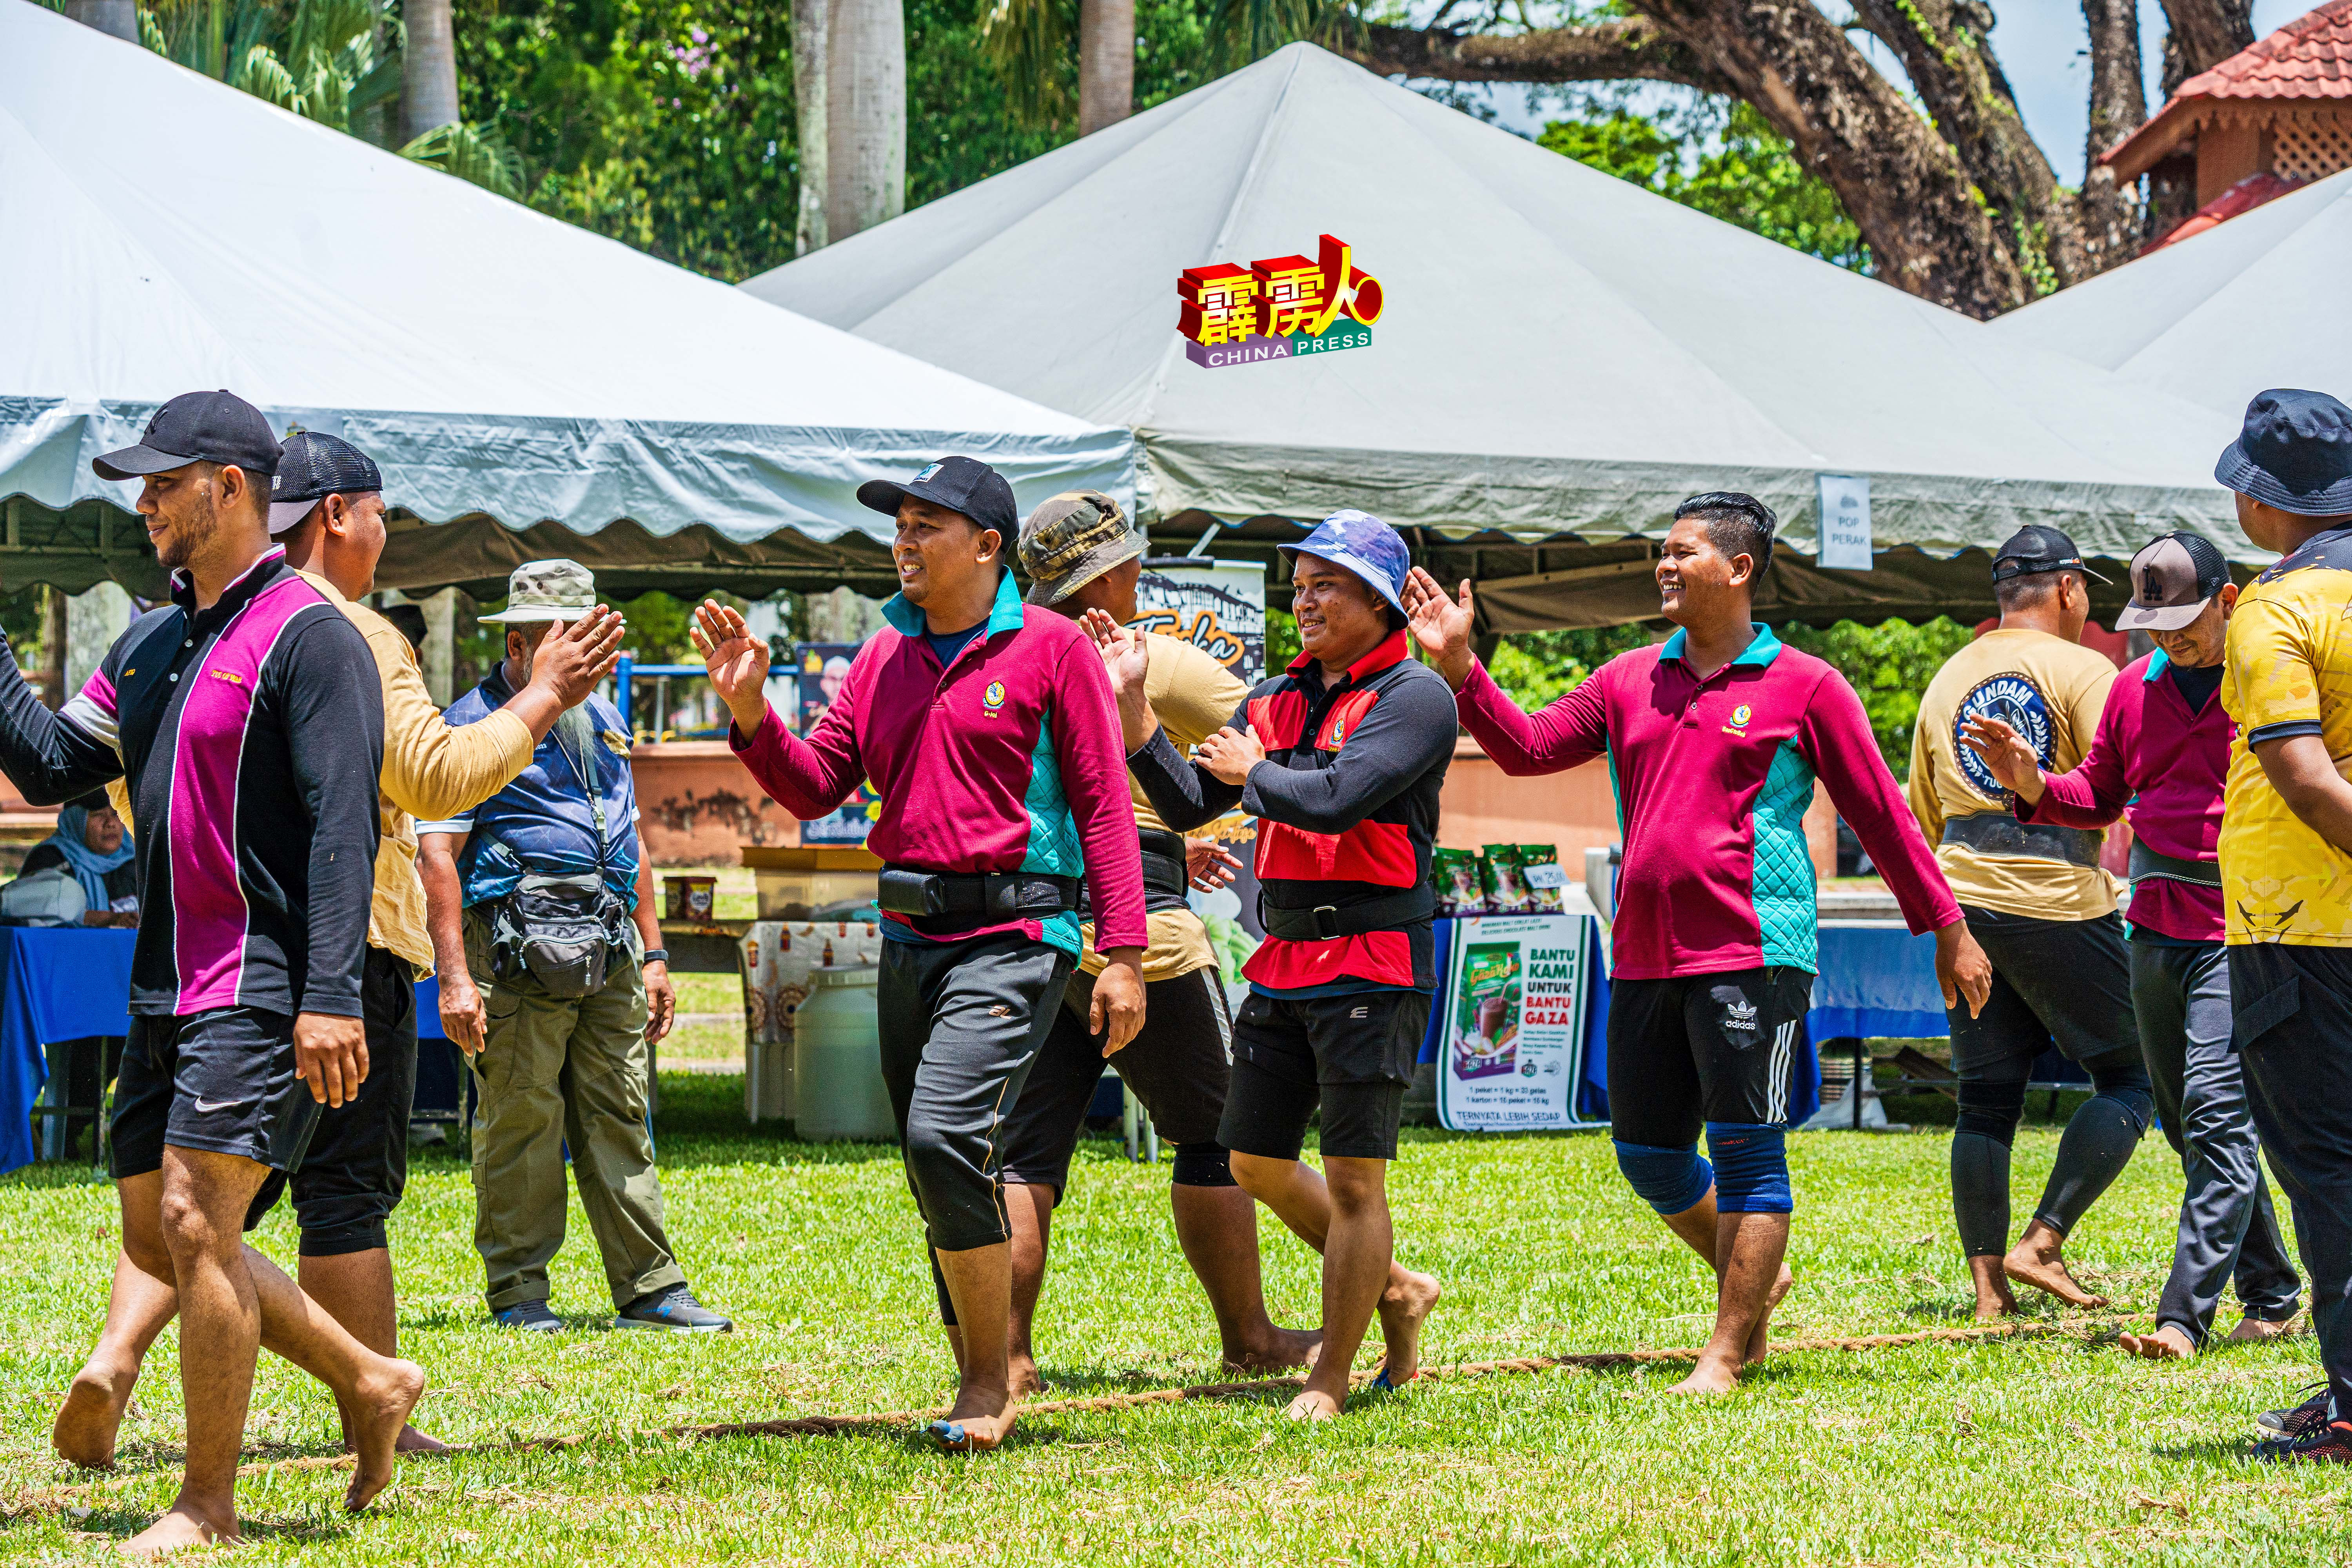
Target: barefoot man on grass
(1083,559)
(988,730)
(1715,740)
(2157,760)
(328,512)
(2037,900)
(1341,758)
(247,718)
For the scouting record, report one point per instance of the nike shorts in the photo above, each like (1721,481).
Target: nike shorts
(220,1080)
(1697,1048)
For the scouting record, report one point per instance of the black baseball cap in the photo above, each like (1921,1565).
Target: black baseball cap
(2036,548)
(960,484)
(2295,453)
(312,467)
(198,427)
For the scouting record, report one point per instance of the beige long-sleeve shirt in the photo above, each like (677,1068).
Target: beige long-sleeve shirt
(430,771)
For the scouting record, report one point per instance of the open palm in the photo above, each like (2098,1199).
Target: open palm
(1441,623)
(737,661)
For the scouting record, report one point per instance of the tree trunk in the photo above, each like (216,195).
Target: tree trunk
(2113,221)
(1106,63)
(428,94)
(865,132)
(51,675)
(812,107)
(1629,49)
(118,17)
(2202,34)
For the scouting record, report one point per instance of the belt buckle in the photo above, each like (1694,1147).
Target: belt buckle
(1326,929)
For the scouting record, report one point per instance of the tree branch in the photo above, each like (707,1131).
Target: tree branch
(1604,52)
(2113,221)
(2202,34)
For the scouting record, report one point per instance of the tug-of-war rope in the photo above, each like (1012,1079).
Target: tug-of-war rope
(838,1425)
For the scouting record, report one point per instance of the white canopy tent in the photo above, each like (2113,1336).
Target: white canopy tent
(1561,353)
(2256,303)
(507,371)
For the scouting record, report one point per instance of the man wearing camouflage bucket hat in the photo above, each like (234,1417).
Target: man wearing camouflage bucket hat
(1083,559)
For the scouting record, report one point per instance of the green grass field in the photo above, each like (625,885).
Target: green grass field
(2048,1450)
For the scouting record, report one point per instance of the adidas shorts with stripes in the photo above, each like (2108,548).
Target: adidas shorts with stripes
(1703,1048)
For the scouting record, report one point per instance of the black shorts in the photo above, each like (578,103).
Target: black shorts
(1353,1055)
(2054,982)
(1178,1066)
(357,1166)
(220,1080)
(1697,1048)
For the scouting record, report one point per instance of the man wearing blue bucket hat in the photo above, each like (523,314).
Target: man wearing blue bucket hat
(1340,757)
(2286,856)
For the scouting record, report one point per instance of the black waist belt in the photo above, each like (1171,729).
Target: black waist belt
(1325,922)
(2147,862)
(2000,834)
(1011,895)
(1164,861)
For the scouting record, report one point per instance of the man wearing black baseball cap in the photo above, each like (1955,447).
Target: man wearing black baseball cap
(2287,856)
(2157,762)
(244,717)
(2038,902)
(988,728)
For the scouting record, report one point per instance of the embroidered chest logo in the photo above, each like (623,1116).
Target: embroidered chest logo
(232,677)
(1740,717)
(992,698)
(2013,698)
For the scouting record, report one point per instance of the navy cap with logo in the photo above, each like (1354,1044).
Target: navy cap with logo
(960,484)
(2294,454)
(2037,548)
(198,427)
(311,467)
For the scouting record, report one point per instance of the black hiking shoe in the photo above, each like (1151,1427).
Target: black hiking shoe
(2286,1426)
(673,1311)
(532,1315)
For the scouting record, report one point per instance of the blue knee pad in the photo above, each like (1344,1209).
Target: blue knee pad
(1668,1180)
(1751,1167)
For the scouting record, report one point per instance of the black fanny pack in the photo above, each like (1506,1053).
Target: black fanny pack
(2146,863)
(1324,922)
(1163,862)
(1992,834)
(974,896)
(563,931)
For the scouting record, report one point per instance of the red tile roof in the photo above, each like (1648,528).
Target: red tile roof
(2308,60)
(2242,197)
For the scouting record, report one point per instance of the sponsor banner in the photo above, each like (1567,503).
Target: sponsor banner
(1511,1048)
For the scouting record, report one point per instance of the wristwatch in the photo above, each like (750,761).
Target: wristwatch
(655,955)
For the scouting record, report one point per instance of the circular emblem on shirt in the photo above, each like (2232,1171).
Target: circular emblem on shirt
(994,695)
(2016,702)
(1741,714)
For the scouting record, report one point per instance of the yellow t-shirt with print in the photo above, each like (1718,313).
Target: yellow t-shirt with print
(2289,672)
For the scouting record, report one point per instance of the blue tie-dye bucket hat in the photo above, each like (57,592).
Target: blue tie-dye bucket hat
(1364,545)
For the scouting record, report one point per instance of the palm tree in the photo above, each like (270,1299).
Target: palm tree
(1106,63)
(812,108)
(865,127)
(428,97)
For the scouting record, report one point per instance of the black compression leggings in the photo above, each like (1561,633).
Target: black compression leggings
(2098,1142)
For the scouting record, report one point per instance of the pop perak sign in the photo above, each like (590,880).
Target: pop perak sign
(1280,308)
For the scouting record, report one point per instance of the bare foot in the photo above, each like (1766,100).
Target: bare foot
(2045,1269)
(1286,1349)
(2249,1329)
(1025,1379)
(178,1530)
(380,1414)
(980,1419)
(1994,1298)
(1711,1376)
(1404,1305)
(412,1441)
(1313,1405)
(2170,1343)
(1759,1342)
(92,1415)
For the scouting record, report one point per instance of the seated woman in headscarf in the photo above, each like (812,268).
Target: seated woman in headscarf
(89,842)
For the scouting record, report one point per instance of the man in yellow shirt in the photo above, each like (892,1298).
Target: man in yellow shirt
(2286,856)
(327,510)
(2044,912)
(1083,559)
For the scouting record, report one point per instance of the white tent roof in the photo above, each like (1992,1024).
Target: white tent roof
(2256,303)
(164,232)
(1560,351)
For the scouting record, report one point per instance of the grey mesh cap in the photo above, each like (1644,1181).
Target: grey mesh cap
(1071,540)
(2173,579)
(547,591)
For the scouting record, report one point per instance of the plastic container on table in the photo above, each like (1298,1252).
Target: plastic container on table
(794,883)
(838,1090)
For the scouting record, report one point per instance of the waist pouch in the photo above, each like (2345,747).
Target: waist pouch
(1165,884)
(974,896)
(1324,922)
(2146,863)
(561,931)
(1993,833)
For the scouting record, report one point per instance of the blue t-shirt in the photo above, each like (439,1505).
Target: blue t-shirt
(945,646)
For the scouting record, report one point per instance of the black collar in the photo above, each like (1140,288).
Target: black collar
(238,594)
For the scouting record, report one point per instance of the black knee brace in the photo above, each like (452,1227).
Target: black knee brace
(1203,1165)
(1991,1109)
(2122,1077)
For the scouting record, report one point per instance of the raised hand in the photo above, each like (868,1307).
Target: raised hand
(573,659)
(1441,625)
(2007,754)
(737,662)
(1127,659)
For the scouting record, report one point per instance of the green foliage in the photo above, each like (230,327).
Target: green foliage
(1724,161)
(1281,638)
(470,153)
(1537,667)
(1889,665)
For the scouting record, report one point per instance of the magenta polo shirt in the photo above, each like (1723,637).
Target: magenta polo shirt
(1713,778)
(2160,767)
(1007,760)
